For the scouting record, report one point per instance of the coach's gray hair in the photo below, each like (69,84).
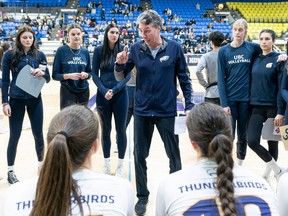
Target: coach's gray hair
(148,17)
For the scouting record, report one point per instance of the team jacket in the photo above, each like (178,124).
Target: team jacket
(156,90)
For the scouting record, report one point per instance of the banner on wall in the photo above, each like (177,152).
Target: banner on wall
(192,60)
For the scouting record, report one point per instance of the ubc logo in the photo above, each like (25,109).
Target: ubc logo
(164,58)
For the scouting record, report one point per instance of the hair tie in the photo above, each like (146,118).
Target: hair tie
(218,132)
(63,133)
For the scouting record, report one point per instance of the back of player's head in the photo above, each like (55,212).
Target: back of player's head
(209,126)
(217,38)
(71,135)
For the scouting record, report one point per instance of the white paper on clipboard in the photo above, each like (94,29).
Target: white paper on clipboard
(28,83)
(180,125)
(271,132)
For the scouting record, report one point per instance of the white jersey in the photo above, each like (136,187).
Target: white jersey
(192,191)
(282,194)
(101,195)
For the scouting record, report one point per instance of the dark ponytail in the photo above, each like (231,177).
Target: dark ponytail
(210,127)
(71,135)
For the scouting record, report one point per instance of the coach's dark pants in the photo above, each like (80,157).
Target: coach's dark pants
(143,131)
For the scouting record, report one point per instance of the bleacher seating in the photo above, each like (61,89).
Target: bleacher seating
(262,15)
(34,3)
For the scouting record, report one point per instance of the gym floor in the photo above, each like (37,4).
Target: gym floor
(158,168)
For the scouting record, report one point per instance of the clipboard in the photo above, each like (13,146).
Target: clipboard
(271,132)
(284,135)
(28,83)
(180,125)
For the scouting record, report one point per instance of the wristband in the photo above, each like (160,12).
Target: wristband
(4,104)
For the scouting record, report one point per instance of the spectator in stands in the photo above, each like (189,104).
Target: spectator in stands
(93,20)
(191,50)
(10,34)
(102,14)
(193,22)
(94,4)
(154,53)
(39,21)
(112,97)
(228,38)
(73,138)
(5,18)
(44,27)
(140,8)
(116,3)
(203,38)
(99,5)
(27,20)
(11,18)
(90,5)
(198,49)
(114,20)
(188,23)
(210,26)
(214,185)
(197,6)
(208,61)
(38,36)
(72,67)
(2,32)
(61,21)
(266,101)
(16,101)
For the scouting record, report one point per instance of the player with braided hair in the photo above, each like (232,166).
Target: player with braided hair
(214,185)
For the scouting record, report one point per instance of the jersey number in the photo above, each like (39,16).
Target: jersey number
(209,207)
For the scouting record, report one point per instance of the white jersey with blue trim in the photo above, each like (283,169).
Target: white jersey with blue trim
(193,191)
(100,195)
(282,194)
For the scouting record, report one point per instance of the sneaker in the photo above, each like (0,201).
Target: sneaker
(107,169)
(283,170)
(12,179)
(140,207)
(116,148)
(120,172)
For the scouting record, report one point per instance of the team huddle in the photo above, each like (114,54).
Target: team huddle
(246,84)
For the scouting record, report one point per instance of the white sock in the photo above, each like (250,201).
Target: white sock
(107,161)
(274,166)
(40,164)
(239,162)
(120,162)
(10,168)
(267,171)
